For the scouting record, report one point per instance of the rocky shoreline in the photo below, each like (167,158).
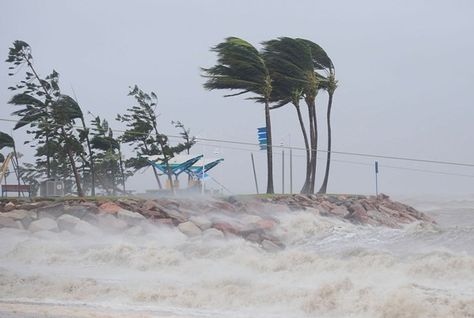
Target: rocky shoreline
(253,218)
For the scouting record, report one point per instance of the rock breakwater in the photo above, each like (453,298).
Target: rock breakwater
(253,218)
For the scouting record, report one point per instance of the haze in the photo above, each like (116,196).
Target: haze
(405,72)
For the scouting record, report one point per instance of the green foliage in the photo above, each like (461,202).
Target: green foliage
(6,140)
(239,67)
(50,117)
(143,132)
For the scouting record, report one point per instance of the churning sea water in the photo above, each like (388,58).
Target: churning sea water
(329,268)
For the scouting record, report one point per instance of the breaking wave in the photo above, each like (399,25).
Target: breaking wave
(329,268)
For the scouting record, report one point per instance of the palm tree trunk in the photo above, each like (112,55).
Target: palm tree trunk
(308,151)
(269,150)
(312,135)
(314,150)
(91,157)
(73,164)
(328,161)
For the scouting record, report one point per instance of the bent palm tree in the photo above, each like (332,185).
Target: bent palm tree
(323,62)
(240,66)
(292,66)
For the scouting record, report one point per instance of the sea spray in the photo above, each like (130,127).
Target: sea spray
(328,268)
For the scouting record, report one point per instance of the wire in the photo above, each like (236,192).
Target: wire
(357,154)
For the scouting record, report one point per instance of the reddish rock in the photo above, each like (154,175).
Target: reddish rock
(149,205)
(266,224)
(226,227)
(109,207)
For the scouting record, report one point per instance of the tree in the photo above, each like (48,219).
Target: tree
(143,133)
(240,66)
(330,88)
(291,62)
(46,110)
(109,165)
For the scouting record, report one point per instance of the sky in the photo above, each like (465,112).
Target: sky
(405,72)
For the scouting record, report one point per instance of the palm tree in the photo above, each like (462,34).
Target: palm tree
(292,66)
(323,62)
(287,88)
(240,66)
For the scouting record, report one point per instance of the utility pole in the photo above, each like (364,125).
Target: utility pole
(254,173)
(376,178)
(291,170)
(283,171)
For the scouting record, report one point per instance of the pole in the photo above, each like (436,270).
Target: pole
(376,178)
(283,171)
(291,171)
(254,173)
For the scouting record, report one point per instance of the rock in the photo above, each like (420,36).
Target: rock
(189,228)
(45,224)
(177,215)
(110,222)
(17,214)
(165,221)
(340,211)
(150,205)
(130,217)
(212,234)
(250,219)
(109,207)
(226,227)
(254,237)
(34,205)
(51,211)
(202,222)
(9,206)
(270,246)
(67,222)
(266,224)
(81,210)
(9,222)
(84,228)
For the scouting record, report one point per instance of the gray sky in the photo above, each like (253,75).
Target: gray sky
(405,72)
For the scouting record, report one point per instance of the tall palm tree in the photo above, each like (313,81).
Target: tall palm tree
(240,66)
(287,88)
(324,63)
(292,66)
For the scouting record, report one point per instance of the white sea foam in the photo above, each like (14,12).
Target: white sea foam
(329,268)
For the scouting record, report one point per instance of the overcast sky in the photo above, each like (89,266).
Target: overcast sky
(405,71)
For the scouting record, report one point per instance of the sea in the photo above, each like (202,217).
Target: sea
(329,268)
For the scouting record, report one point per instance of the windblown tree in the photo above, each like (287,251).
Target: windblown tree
(143,133)
(241,67)
(291,62)
(49,114)
(109,165)
(322,63)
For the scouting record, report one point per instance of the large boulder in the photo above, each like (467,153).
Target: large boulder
(202,222)
(130,217)
(45,224)
(109,207)
(111,223)
(17,214)
(10,222)
(189,228)
(67,222)
(84,228)
(212,234)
